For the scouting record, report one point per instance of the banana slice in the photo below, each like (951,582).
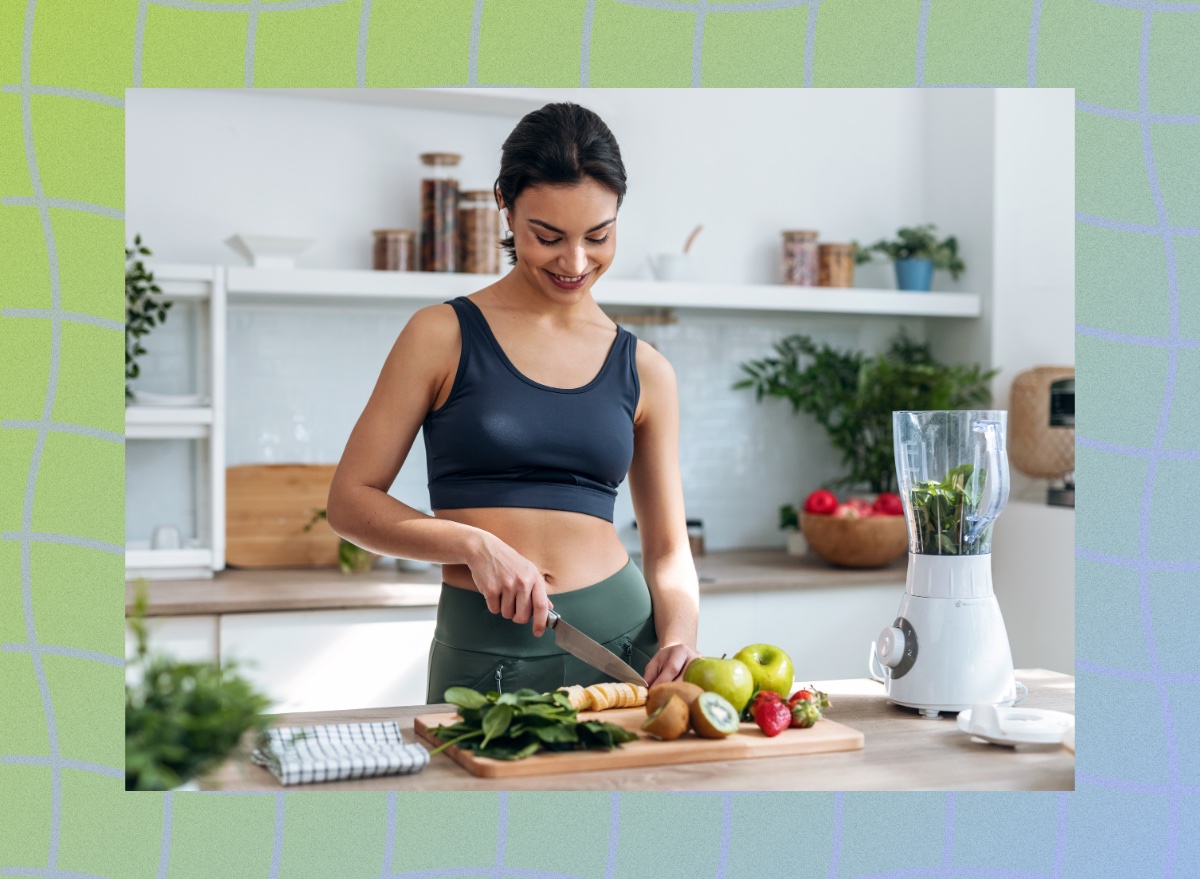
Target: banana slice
(602,696)
(580,699)
(599,697)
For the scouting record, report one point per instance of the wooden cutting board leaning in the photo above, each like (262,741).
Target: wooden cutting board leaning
(749,742)
(266,509)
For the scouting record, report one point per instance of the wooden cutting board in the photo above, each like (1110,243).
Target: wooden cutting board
(824,736)
(266,509)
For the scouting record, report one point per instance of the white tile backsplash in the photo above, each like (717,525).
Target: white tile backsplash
(299,376)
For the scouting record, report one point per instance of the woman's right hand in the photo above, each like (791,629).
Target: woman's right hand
(511,584)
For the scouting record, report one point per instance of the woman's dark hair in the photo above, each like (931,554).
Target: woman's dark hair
(561,143)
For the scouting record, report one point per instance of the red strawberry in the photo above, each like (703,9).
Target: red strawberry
(804,714)
(764,696)
(772,716)
(798,696)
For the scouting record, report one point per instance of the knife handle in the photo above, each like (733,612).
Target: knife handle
(551,619)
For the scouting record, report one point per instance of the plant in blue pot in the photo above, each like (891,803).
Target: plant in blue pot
(916,252)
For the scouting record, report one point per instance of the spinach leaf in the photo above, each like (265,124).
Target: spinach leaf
(496,721)
(465,697)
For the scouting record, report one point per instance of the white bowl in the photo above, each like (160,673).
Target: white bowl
(270,251)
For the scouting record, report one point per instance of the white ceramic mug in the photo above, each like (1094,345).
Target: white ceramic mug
(165,537)
(668,266)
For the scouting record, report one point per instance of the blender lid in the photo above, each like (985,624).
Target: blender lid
(1016,726)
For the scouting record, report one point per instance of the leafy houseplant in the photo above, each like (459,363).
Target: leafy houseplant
(142,311)
(183,718)
(351,558)
(916,253)
(789,523)
(853,396)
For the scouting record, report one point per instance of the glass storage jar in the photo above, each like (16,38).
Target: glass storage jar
(395,250)
(836,265)
(478,232)
(439,208)
(800,257)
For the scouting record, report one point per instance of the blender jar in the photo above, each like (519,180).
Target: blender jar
(952,471)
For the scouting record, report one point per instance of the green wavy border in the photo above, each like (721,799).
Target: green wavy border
(64,68)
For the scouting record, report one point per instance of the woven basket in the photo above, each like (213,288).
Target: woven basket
(869,542)
(1034,447)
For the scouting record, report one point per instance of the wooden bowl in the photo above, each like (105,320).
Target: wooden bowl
(869,542)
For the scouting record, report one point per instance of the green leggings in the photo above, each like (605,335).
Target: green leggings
(473,647)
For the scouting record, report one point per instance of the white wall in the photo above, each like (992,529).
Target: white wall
(1034,237)
(958,140)
(204,165)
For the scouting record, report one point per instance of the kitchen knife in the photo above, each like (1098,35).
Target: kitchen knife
(593,653)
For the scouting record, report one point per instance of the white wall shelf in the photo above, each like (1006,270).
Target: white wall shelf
(163,422)
(203,285)
(342,284)
(187,563)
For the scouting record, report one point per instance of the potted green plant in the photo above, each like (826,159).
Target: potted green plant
(351,558)
(143,311)
(852,395)
(183,719)
(916,252)
(789,523)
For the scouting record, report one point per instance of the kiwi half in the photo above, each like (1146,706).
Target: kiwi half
(713,717)
(670,721)
(659,694)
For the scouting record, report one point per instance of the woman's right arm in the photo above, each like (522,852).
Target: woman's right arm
(359,507)
(420,365)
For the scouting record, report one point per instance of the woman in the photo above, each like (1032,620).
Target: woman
(534,406)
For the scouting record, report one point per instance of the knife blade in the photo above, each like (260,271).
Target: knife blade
(590,651)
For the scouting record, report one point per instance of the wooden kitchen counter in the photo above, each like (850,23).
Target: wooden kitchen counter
(249,591)
(903,752)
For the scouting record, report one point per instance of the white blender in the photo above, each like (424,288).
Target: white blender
(948,649)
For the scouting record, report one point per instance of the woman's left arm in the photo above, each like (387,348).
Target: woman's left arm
(657,493)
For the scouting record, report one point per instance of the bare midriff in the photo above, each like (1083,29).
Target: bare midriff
(571,550)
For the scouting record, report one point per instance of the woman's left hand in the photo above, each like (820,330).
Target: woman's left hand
(668,664)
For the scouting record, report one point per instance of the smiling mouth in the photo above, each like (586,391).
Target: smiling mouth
(566,280)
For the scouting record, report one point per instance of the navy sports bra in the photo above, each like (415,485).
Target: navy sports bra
(504,440)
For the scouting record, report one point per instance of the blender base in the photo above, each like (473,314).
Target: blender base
(935,713)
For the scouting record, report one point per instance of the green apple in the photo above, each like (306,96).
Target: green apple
(770,667)
(728,677)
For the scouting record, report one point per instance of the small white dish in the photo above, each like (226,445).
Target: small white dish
(270,251)
(1069,739)
(1016,726)
(668,266)
(145,398)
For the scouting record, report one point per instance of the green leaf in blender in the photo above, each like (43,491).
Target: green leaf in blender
(942,510)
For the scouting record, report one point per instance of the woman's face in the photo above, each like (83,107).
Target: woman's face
(565,236)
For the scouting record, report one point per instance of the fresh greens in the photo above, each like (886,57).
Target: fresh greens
(182,719)
(510,726)
(942,512)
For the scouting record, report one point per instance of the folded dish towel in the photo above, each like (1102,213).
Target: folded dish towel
(302,754)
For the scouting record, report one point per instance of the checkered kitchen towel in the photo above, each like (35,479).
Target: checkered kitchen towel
(302,754)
